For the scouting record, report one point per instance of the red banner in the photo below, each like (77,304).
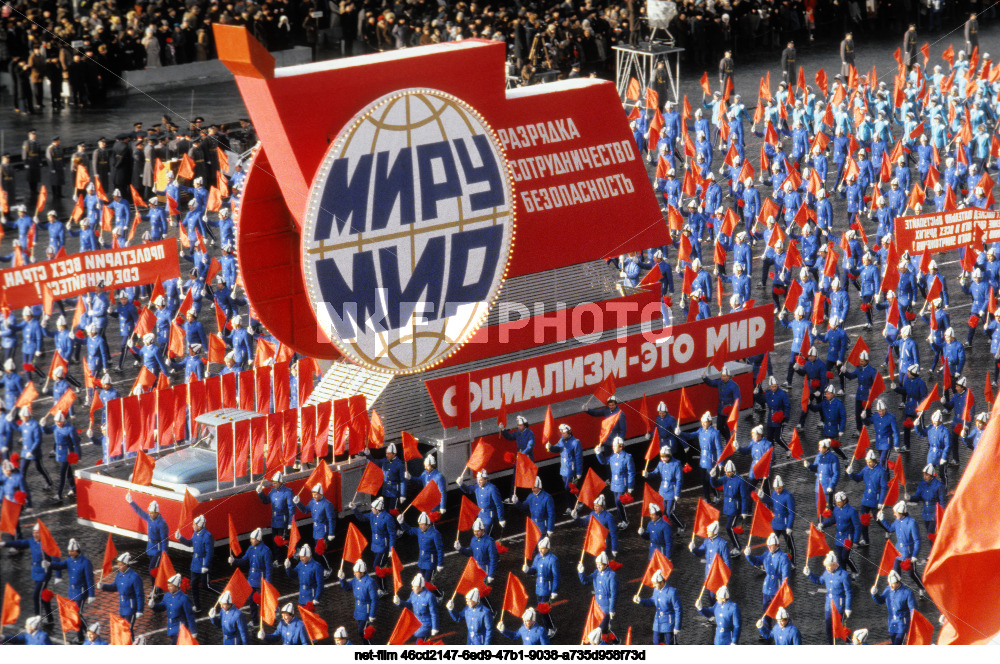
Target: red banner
(79,273)
(573,373)
(937,232)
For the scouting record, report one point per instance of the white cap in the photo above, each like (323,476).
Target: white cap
(900,507)
(153,507)
(564,428)
(340,633)
(871,456)
(199,520)
(936,417)
(654,508)
(893,577)
(529,614)
(825,442)
(8,364)
(276,477)
(521,419)
(424,518)
(602,558)
(390,448)
(360,566)
(839,496)
(35,622)
(771,380)
(618,441)
(418,581)
(600,500)
(288,608)
(482,474)
(706,417)
(124,558)
(665,450)
(863,355)
(94,628)
(378,504)
(929,469)
(722,593)
(950,332)
(544,543)
(148,338)
(962,381)
(772,539)
(317,488)
(861,635)
(782,614)
(712,528)
(257,534)
(831,558)
(25,412)
(661,406)
(730,467)
(73,545)
(478,525)
(830,389)
(305,551)
(725,369)
(658,577)
(472,595)
(914,369)
(879,405)
(176,580)
(777,481)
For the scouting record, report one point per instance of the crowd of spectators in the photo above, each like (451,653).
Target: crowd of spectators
(81,48)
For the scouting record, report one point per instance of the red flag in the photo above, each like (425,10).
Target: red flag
(933,396)
(889,555)
(855,356)
(634,90)
(234,538)
(705,87)
(410,450)
(515,597)
(892,493)
(594,619)
(164,571)
(355,544)
(11,606)
(48,543)
(650,497)
(525,472)
(397,570)
(685,411)
(946,375)
(27,396)
(795,446)
(591,488)
(142,472)
(816,546)
(316,627)
(792,297)
(473,576)
(268,602)
(239,588)
(406,626)
(9,515)
(653,451)
(121,631)
(428,499)
(186,169)
(762,517)
(293,538)
(781,599)
(532,535)
(185,638)
(371,479)
(704,515)
(840,631)
(659,563)
(863,443)
(921,632)
(467,514)
(762,372)
(110,554)
(718,574)
(69,614)
(608,425)
(594,540)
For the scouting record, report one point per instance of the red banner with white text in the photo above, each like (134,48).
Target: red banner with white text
(576,372)
(76,274)
(938,232)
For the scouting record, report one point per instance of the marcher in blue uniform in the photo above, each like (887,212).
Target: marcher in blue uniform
(670,474)
(735,502)
(67,442)
(128,585)
(365,596)
(710,548)
(899,601)
(483,549)
(605,583)
(827,469)
(531,633)
(875,478)
(156,533)
(777,568)
(394,475)
(930,491)
(622,475)
(202,549)
(545,567)
(383,538)
(709,445)
(324,523)
(432,474)
(290,630)
(309,575)
(487,498)
(848,523)
(282,510)
(41,571)
(31,446)
(258,561)
(94,635)
(477,618)
(611,410)
(777,409)
(570,460)
(865,375)
(938,439)
(785,634)
(838,589)
(230,620)
(729,395)
(658,531)
(907,541)
(667,619)
(540,506)
(424,606)
(603,517)
(431,547)
(726,616)
(33,634)
(522,435)
(177,606)
(80,574)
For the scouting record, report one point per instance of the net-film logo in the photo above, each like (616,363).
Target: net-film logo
(409,231)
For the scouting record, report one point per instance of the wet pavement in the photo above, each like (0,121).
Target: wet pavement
(221,103)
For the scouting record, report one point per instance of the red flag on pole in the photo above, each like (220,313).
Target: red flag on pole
(9,515)
(659,563)
(704,515)
(142,472)
(816,546)
(591,488)
(594,540)
(371,479)
(428,499)
(795,446)
(762,468)
(315,626)
(48,543)
(921,632)
(762,517)
(863,443)
(594,619)
(718,574)
(532,535)
(889,555)
(650,497)
(406,626)
(239,588)
(781,600)
(473,576)
(840,631)
(467,514)
(11,606)
(355,544)
(515,598)
(525,472)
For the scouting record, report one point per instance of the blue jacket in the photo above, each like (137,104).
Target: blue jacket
(660,535)
(80,574)
(668,609)
(324,518)
(31,439)
(484,551)
(394,472)
(710,548)
(156,531)
(178,608)
(425,608)
(907,536)
(865,376)
(525,440)
(622,470)
(671,478)
(478,622)
(620,427)
(782,505)
(233,626)
(570,457)
(292,633)
(729,392)
(605,588)
(258,558)
(757,449)
(736,494)
(130,594)
(282,507)
(383,530)
(489,501)
(542,509)
(886,431)
(38,572)
(931,494)
(783,636)
(827,469)
(546,571)
(434,475)
(709,443)
(365,596)
(838,588)
(900,604)
(430,544)
(536,636)
(37,638)
(727,623)
(848,524)
(776,566)
(310,578)
(203,548)
(876,485)
(938,442)
(606,520)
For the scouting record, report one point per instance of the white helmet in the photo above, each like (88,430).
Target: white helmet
(361,567)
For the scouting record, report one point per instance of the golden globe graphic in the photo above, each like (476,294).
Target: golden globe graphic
(408,231)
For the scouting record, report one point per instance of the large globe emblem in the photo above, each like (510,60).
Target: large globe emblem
(408,231)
